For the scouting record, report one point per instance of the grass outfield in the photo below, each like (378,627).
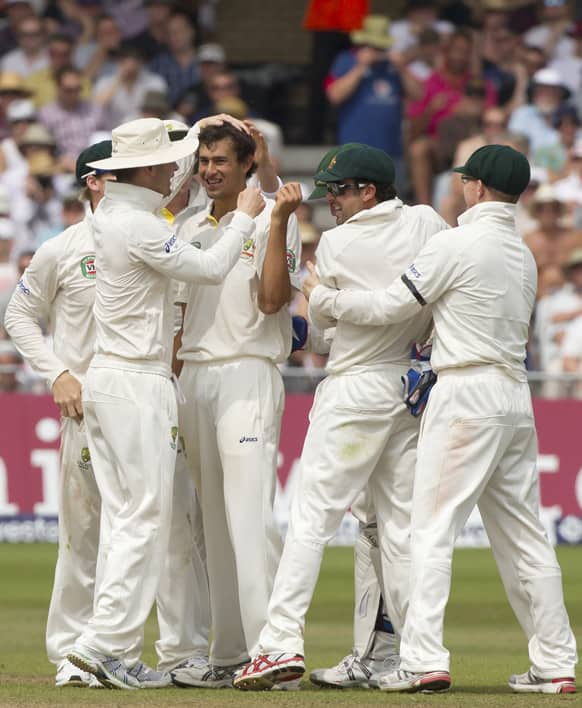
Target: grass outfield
(481,632)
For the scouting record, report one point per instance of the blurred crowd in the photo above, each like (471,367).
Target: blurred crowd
(429,84)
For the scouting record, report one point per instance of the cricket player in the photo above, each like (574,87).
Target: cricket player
(478,442)
(234,335)
(129,401)
(360,433)
(59,285)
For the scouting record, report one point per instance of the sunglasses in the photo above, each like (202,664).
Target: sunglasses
(336,189)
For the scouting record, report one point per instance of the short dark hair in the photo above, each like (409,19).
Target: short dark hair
(503,196)
(63,71)
(385,192)
(244,145)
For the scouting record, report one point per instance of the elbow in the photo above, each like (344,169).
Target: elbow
(270,307)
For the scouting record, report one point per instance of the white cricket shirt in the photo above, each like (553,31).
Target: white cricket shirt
(224,321)
(368,252)
(138,254)
(480,279)
(59,284)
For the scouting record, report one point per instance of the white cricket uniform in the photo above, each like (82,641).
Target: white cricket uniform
(59,284)
(360,431)
(231,424)
(129,401)
(478,440)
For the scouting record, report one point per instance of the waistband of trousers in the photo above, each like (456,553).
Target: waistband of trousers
(145,366)
(483,370)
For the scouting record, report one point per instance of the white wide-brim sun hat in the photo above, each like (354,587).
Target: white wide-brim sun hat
(142,143)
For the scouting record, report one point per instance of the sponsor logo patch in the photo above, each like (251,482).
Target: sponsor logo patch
(291,261)
(248,248)
(247,439)
(414,272)
(84,463)
(168,246)
(173,435)
(23,287)
(88,267)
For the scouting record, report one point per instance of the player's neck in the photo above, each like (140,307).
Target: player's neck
(220,207)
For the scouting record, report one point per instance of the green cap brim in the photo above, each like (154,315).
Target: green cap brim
(318,193)
(462,170)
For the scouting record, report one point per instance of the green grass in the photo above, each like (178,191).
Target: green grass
(485,641)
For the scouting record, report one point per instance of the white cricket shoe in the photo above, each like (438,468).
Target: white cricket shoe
(267,670)
(70,675)
(530,683)
(197,672)
(410,681)
(351,672)
(148,677)
(109,670)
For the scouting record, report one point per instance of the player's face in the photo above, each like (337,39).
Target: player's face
(349,202)
(221,174)
(162,177)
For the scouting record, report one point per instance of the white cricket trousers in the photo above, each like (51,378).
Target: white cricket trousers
(231,423)
(360,433)
(131,420)
(183,602)
(71,603)
(367,574)
(478,446)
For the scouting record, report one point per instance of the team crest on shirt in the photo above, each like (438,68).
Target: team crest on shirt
(291,261)
(174,436)
(196,244)
(88,267)
(84,462)
(248,248)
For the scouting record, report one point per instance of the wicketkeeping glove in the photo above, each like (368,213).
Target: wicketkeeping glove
(300,331)
(416,389)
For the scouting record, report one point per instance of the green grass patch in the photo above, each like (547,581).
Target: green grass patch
(481,632)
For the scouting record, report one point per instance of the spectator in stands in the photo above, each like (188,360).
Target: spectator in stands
(43,83)
(368,86)
(10,365)
(503,67)
(211,64)
(525,221)
(12,88)
(96,57)
(493,130)
(552,242)
(41,211)
(154,38)
(570,67)
(121,94)
(556,157)
(31,54)
(551,35)
(535,119)
(8,272)
(569,188)
(419,15)
(424,56)
(70,119)
(178,65)
(155,104)
(73,210)
(14,13)
(443,96)
(329,22)
(13,165)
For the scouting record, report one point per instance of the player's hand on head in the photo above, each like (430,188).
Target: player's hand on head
(311,281)
(67,396)
(220,119)
(262,149)
(250,201)
(288,198)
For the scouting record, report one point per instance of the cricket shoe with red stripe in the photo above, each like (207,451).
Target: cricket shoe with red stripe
(411,681)
(530,683)
(267,670)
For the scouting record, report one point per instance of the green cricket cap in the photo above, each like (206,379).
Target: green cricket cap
(98,151)
(499,167)
(362,162)
(319,191)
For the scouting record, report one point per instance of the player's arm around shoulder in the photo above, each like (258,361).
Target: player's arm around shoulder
(281,259)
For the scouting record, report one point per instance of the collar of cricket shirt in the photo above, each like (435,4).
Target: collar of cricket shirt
(139,197)
(496,210)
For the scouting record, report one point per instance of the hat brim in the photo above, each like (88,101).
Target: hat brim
(175,151)
(360,37)
(318,193)
(462,170)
